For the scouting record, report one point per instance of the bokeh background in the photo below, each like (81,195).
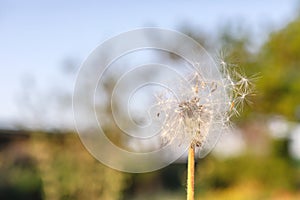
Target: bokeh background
(42,45)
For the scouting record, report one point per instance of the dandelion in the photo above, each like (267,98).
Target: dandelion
(201,106)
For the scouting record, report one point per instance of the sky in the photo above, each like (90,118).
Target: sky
(37,37)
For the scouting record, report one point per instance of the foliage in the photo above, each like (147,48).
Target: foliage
(19,178)
(69,172)
(279,63)
(55,166)
(258,177)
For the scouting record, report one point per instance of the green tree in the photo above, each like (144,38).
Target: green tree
(279,64)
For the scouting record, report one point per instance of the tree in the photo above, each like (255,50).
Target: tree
(279,64)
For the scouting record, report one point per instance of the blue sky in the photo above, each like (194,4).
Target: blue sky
(36,37)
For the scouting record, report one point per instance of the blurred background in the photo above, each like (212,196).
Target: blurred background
(42,45)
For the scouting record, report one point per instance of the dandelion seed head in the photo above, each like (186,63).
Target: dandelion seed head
(206,104)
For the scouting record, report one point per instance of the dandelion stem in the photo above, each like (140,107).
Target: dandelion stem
(190,172)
